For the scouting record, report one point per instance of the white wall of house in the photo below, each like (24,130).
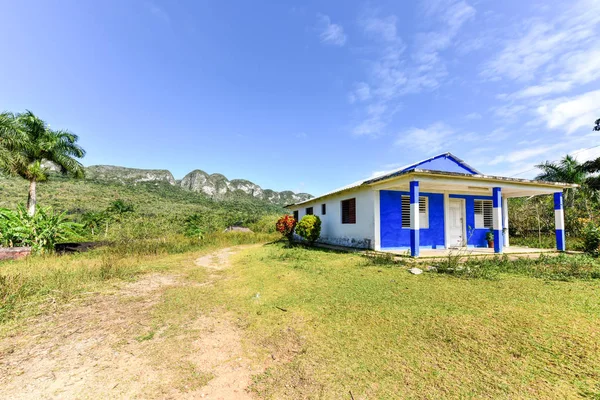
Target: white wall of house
(360,234)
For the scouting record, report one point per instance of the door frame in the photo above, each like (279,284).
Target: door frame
(447,200)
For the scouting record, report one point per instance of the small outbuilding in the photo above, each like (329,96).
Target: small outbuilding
(435,204)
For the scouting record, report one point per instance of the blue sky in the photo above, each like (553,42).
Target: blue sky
(313,95)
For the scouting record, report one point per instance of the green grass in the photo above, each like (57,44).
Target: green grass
(159,207)
(381,333)
(546,241)
(38,284)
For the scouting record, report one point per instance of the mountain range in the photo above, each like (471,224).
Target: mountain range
(216,186)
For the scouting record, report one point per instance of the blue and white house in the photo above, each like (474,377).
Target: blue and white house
(438,203)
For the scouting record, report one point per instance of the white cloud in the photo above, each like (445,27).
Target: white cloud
(330,33)
(301,135)
(375,122)
(158,12)
(524,154)
(571,113)
(428,140)
(473,116)
(573,69)
(361,92)
(586,154)
(550,47)
(392,73)
(451,16)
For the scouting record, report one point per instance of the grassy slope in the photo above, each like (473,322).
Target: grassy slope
(160,208)
(383,333)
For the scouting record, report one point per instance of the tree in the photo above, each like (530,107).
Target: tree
(10,139)
(41,144)
(93,220)
(567,170)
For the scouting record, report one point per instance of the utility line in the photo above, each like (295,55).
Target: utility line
(534,168)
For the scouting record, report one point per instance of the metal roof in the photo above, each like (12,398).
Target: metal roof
(411,168)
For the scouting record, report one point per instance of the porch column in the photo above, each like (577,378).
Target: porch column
(559,221)
(497,223)
(414,218)
(505,220)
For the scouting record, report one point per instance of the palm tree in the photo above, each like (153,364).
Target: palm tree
(10,139)
(43,144)
(567,170)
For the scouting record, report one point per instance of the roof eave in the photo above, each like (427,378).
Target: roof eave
(480,177)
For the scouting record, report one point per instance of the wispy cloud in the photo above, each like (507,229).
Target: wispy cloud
(330,33)
(550,48)
(524,154)
(361,92)
(571,113)
(473,116)
(395,72)
(433,138)
(158,12)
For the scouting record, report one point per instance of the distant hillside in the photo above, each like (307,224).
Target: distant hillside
(159,204)
(216,186)
(126,175)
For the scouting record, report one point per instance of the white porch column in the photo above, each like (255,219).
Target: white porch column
(377,221)
(414,218)
(497,214)
(505,220)
(559,221)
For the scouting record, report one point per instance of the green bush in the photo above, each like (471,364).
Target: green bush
(309,228)
(591,239)
(40,231)
(265,224)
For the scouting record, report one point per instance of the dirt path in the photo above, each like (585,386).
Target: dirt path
(108,348)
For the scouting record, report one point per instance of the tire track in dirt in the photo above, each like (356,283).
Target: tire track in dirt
(92,350)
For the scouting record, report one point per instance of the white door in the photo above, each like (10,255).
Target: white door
(456,223)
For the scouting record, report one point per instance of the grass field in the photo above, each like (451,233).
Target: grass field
(324,325)
(380,332)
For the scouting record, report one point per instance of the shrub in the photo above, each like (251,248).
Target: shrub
(120,206)
(309,228)
(40,231)
(591,239)
(265,224)
(285,225)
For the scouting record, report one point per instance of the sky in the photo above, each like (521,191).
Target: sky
(312,95)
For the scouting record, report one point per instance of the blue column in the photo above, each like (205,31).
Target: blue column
(497,214)
(559,221)
(414,218)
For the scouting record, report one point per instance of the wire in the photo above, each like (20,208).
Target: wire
(534,168)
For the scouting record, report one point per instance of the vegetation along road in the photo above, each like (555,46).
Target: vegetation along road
(269,321)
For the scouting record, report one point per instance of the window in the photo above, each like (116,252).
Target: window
(309,211)
(423,212)
(323,209)
(296,215)
(484,214)
(349,211)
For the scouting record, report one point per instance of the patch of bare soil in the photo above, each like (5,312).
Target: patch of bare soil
(106,348)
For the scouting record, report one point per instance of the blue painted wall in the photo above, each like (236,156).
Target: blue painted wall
(475,237)
(443,163)
(392,233)
(394,236)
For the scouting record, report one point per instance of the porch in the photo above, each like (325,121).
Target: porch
(434,214)
(512,252)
